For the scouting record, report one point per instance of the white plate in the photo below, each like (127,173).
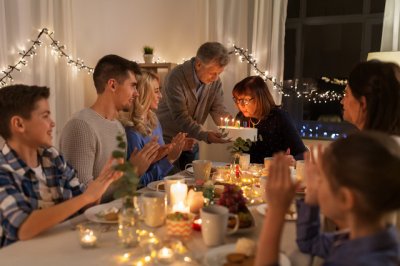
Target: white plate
(91,212)
(189,170)
(217,256)
(262,209)
(153,185)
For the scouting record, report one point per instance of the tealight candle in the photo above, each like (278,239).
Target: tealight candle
(165,255)
(197,224)
(88,238)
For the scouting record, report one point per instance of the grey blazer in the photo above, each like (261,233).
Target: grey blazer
(180,110)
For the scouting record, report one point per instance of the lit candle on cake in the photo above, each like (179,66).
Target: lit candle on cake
(238,123)
(226,122)
(233,122)
(222,122)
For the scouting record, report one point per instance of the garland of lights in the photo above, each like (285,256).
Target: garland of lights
(57,49)
(244,55)
(314,96)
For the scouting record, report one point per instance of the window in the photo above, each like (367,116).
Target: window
(326,39)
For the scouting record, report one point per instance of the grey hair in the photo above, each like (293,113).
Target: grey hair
(213,51)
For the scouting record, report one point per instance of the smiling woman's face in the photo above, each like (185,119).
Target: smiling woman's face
(156,94)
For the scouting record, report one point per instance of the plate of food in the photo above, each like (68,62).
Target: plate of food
(230,255)
(153,185)
(104,213)
(291,215)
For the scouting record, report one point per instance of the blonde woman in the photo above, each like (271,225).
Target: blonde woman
(142,126)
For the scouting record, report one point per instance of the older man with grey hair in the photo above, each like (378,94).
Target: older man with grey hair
(191,92)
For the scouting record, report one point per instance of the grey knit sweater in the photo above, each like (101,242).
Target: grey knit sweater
(87,142)
(181,111)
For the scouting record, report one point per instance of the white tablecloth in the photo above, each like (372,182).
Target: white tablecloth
(60,246)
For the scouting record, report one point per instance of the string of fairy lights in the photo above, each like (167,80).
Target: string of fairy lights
(313,95)
(58,50)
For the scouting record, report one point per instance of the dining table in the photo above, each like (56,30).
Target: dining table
(60,245)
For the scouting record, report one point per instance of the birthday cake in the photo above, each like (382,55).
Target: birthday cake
(242,132)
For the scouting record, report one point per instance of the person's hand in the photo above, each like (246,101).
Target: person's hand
(216,137)
(290,158)
(189,144)
(143,158)
(163,151)
(280,188)
(98,186)
(312,173)
(179,143)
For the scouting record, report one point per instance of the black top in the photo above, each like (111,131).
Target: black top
(278,133)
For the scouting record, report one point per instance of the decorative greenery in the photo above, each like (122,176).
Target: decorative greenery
(148,49)
(240,146)
(127,184)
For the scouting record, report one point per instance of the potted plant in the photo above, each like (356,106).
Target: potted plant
(148,54)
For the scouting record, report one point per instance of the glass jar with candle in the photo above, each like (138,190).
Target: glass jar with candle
(127,219)
(89,234)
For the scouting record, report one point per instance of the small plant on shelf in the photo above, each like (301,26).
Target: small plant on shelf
(127,184)
(148,49)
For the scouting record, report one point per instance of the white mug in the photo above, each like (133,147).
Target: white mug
(168,181)
(214,224)
(201,169)
(153,208)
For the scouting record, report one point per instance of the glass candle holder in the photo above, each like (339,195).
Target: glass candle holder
(89,235)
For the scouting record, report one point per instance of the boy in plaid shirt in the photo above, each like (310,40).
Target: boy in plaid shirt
(38,188)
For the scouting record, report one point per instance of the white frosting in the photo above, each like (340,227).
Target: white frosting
(243,132)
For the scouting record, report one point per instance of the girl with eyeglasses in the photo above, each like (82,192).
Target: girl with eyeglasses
(276,130)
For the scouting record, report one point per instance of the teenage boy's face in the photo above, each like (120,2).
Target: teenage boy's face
(39,128)
(126,93)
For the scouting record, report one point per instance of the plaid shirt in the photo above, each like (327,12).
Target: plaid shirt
(19,188)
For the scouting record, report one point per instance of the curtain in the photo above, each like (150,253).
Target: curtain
(21,21)
(391,27)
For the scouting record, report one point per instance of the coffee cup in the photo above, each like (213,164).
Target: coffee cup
(153,204)
(214,225)
(201,169)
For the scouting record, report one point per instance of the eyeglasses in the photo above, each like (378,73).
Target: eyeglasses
(242,101)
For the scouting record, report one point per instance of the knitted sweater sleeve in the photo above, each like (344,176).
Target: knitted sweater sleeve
(78,145)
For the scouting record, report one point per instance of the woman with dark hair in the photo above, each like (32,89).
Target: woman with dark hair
(372,97)
(276,130)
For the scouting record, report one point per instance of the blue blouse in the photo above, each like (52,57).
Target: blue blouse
(157,170)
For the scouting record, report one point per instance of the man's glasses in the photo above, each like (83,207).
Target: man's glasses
(242,101)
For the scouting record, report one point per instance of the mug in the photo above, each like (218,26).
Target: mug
(201,169)
(168,181)
(153,204)
(214,224)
